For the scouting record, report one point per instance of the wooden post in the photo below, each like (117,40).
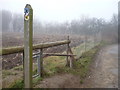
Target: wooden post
(94,38)
(41,63)
(28,34)
(67,62)
(85,42)
(118,42)
(72,59)
(118,23)
(38,61)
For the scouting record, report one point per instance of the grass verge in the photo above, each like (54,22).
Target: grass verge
(55,65)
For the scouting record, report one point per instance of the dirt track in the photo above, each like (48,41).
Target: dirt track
(104,73)
(105,69)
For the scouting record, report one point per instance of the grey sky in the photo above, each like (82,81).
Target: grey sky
(63,10)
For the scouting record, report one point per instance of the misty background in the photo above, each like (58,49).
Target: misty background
(102,21)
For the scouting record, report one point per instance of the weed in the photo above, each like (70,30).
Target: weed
(81,81)
(7,73)
(19,68)
(17,84)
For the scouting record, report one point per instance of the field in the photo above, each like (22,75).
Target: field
(16,39)
(12,64)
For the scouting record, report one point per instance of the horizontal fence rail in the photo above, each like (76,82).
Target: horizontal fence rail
(58,54)
(11,50)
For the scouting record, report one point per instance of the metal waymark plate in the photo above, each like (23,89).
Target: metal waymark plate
(26,11)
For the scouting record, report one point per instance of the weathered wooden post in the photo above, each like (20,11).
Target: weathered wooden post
(72,59)
(71,62)
(118,41)
(118,23)
(40,63)
(85,42)
(28,35)
(67,62)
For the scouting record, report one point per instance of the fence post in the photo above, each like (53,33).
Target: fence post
(28,34)
(38,61)
(71,62)
(41,63)
(94,39)
(67,62)
(85,43)
(72,59)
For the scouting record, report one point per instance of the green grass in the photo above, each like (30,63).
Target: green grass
(51,65)
(20,83)
(17,84)
(7,73)
(19,68)
(81,66)
(55,64)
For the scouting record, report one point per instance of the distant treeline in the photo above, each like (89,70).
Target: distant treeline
(15,23)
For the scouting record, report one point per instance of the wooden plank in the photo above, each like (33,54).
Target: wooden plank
(11,50)
(28,38)
(57,54)
(51,44)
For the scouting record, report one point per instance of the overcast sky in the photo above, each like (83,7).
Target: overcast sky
(63,10)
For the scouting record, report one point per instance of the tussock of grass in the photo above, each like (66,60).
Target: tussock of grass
(36,80)
(52,65)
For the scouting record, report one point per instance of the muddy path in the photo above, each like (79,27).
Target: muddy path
(60,81)
(103,73)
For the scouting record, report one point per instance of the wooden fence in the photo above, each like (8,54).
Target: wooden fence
(17,49)
(28,48)
(39,55)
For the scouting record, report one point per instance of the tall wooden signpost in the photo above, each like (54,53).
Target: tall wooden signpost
(28,34)
(118,41)
(118,22)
